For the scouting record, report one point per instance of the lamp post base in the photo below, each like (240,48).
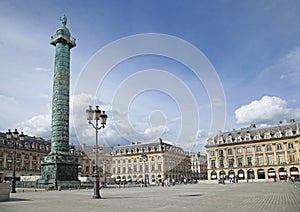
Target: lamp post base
(96,190)
(13,186)
(96,197)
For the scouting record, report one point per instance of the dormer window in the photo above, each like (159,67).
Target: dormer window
(247,138)
(267,135)
(257,137)
(288,132)
(278,134)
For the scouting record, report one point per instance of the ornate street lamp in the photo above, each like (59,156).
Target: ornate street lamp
(144,157)
(15,135)
(102,117)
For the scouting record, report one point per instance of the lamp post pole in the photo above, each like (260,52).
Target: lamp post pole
(105,161)
(16,136)
(96,115)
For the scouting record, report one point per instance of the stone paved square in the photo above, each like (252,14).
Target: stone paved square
(276,196)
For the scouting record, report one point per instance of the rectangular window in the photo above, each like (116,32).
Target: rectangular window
(213,164)
(291,146)
(249,149)
(249,161)
(229,151)
(212,153)
(221,163)
(220,152)
(292,158)
(159,167)
(239,150)
(259,160)
(141,168)
(258,149)
(269,147)
(270,159)
(230,162)
(281,158)
(279,147)
(240,162)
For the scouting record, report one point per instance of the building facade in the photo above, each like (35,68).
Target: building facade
(198,166)
(28,155)
(255,153)
(86,169)
(151,163)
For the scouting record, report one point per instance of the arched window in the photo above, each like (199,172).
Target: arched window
(261,174)
(213,175)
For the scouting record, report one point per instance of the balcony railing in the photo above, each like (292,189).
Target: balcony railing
(55,36)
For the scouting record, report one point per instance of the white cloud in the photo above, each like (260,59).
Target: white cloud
(266,110)
(40,69)
(39,125)
(155,132)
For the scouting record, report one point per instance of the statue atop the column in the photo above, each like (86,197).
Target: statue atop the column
(63,20)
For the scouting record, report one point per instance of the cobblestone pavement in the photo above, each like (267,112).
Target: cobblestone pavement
(276,196)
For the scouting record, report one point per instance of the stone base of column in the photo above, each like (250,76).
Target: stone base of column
(59,172)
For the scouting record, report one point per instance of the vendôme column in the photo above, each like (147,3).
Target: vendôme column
(60,168)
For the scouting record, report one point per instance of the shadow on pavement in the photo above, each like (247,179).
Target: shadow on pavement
(18,199)
(191,195)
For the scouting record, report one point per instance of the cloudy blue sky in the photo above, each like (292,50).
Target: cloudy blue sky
(249,67)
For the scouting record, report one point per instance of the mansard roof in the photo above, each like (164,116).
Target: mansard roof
(252,131)
(149,147)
